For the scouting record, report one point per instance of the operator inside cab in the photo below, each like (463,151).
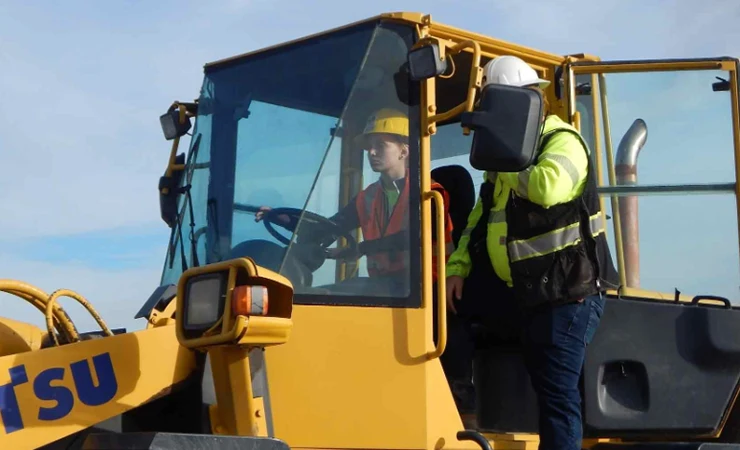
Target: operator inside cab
(382,209)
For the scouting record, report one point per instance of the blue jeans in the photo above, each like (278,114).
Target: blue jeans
(555,343)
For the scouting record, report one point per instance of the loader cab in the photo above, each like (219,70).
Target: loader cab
(277,128)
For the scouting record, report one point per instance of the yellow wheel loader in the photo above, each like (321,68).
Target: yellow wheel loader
(258,338)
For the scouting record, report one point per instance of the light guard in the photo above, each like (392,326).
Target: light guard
(226,303)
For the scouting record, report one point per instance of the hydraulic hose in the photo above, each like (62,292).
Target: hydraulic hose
(71,294)
(39,299)
(56,317)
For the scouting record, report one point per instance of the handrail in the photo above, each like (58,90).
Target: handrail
(474,82)
(441,275)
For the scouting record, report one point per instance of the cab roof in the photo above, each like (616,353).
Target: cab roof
(489,45)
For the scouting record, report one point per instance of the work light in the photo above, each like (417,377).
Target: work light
(426,62)
(171,125)
(205,296)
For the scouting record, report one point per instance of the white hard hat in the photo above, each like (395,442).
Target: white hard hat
(512,71)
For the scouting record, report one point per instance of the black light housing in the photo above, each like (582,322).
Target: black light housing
(425,62)
(171,125)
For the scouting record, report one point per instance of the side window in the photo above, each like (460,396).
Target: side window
(450,147)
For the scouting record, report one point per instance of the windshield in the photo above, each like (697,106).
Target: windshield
(292,181)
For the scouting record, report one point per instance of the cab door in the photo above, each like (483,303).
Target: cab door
(664,136)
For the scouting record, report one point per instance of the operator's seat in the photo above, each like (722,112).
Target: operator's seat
(459,185)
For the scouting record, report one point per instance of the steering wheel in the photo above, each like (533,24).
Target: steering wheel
(306,217)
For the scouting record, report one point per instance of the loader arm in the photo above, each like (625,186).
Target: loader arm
(54,392)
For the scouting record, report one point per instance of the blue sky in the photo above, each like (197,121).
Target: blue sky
(83,84)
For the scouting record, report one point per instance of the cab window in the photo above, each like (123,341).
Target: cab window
(288,153)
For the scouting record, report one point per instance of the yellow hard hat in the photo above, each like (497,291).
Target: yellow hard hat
(386,120)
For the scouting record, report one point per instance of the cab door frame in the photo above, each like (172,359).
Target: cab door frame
(649,358)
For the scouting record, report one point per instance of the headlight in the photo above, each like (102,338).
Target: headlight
(205,297)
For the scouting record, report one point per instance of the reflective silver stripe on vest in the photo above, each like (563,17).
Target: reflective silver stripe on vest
(567,164)
(522,187)
(552,241)
(497,216)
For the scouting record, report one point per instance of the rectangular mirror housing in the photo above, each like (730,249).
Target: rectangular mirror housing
(425,62)
(168,201)
(507,126)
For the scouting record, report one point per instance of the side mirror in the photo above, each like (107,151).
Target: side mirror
(168,201)
(171,125)
(425,62)
(506,128)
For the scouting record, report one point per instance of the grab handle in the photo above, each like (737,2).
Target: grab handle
(441,281)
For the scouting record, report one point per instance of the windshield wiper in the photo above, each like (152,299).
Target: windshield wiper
(189,206)
(177,236)
(193,240)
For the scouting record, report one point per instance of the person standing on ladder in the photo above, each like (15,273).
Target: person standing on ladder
(541,229)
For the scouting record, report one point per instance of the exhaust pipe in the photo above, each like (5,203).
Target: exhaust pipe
(626,172)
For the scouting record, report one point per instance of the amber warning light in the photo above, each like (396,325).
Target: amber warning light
(249,301)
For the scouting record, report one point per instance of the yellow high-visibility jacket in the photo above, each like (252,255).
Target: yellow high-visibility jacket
(559,176)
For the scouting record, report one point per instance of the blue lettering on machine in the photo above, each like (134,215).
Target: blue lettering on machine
(87,392)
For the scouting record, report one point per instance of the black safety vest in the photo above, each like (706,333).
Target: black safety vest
(551,262)
(566,256)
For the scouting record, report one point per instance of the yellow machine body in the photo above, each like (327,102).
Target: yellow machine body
(54,392)
(340,375)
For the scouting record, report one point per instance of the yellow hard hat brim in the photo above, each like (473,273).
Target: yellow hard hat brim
(361,140)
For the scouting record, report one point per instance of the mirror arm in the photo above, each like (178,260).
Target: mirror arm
(474,83)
